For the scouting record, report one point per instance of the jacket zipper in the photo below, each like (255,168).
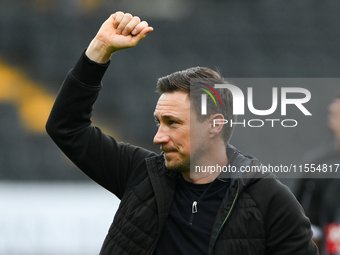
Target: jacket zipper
(231,208)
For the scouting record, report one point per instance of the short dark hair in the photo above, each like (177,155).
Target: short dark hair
(183,81)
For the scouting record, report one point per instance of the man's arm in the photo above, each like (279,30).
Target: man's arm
(103,159)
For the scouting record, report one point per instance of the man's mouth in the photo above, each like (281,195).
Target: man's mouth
(168,150)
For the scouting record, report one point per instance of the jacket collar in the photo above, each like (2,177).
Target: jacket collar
(237,159)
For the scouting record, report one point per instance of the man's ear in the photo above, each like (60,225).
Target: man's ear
(217,122)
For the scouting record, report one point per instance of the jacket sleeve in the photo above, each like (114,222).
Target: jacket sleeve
(98,155)
(288,230)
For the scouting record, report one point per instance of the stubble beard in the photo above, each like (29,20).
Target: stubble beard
(183,166)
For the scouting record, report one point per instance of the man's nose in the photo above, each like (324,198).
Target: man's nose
(161,137)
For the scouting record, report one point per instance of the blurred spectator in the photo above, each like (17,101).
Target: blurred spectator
(320,196)
(334,120)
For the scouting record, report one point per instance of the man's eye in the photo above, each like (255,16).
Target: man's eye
(171,122)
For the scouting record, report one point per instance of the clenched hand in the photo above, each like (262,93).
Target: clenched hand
(119,31)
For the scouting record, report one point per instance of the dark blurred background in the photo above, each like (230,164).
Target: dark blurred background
(41,40)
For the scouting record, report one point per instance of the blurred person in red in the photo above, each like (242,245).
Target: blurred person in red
(320,197)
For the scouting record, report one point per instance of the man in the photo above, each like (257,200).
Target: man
(166,208)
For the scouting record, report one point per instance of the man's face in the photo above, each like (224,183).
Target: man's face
(334,117)
(172,115)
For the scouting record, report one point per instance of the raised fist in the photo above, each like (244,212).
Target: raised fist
(119,31)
